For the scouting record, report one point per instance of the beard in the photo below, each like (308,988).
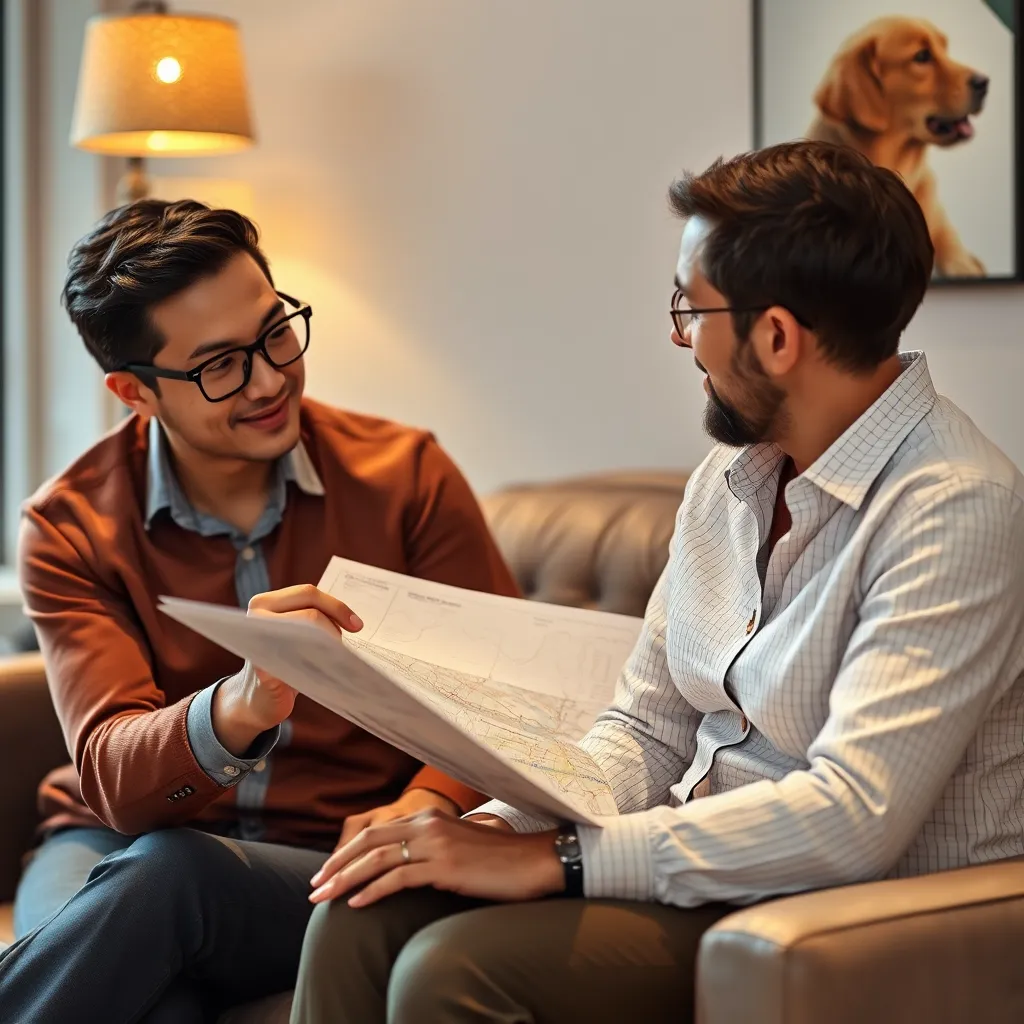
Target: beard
(762,404)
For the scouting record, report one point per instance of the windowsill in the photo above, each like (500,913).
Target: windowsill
(12,617)
(10,592)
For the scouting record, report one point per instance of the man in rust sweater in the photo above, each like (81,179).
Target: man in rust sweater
(204,794)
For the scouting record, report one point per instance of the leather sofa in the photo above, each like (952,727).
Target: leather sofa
(942,948)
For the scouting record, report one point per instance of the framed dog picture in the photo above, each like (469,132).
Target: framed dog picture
(928,88)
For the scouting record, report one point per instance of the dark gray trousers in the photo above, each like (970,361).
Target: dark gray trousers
(428,957)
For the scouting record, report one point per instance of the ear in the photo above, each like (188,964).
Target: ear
(851,91)
(778,341)
(128,389)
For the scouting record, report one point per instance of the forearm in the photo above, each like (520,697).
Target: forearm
(639,766)
(221,763)
(516,820)
(638,763)
(810,830)
(138,771)
(236,717)
(153,769)
(491,820)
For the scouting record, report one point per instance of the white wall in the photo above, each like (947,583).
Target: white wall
(53,403)
(72,185)
(471,195)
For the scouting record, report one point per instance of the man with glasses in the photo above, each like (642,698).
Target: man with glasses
(828,686)
(203,793)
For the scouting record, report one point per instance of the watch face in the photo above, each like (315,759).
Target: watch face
(568,848)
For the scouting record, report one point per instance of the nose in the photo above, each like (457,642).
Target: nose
(264,380)
(679,339)
(978,85)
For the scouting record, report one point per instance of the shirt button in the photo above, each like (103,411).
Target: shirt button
(260,765)
(248,554)
(230,769)
(750,624)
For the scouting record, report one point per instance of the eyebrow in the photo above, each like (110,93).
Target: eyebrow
(214,346)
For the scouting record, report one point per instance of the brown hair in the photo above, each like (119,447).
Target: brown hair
(819,229)
(139,255)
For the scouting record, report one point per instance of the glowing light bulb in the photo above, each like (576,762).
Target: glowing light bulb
(168,70)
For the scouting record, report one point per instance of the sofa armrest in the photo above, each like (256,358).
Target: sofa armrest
(31,744)
(946,947)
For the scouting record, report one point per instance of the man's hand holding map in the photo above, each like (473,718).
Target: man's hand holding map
(492,690)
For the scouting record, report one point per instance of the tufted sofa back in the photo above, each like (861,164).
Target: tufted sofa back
(592,542)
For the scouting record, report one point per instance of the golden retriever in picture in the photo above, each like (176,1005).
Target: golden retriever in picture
(892,91)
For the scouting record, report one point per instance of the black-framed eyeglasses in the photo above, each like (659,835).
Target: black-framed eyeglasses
(284,342)
(683,316)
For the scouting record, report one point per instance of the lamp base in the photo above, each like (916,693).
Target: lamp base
(134,183)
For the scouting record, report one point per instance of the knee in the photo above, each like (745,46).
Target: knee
(437,970)
(332,937)
(340,956)
(348,955)
(159,862)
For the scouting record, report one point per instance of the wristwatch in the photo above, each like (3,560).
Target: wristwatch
(567,847)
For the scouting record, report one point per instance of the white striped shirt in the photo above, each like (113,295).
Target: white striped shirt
(851,707)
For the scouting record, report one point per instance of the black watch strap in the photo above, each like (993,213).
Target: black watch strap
(567,846)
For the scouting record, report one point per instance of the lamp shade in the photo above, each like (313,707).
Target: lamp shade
(161,85)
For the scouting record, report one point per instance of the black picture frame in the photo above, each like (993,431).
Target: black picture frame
(1014,9)
(5,555)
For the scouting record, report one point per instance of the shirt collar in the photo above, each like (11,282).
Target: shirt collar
(849,467)
(163,492)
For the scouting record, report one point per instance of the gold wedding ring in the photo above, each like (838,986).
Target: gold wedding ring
(405,851)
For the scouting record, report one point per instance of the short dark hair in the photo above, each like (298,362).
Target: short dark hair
(819,229)
(139,255)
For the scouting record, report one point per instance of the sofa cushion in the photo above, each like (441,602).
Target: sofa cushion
(6,924)
(30,745)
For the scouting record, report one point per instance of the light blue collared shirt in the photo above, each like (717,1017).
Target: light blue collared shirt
(164,494)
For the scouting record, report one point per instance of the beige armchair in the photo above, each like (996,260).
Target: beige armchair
(941,949)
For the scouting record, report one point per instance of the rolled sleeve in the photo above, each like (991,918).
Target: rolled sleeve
(617,859)
(219,763)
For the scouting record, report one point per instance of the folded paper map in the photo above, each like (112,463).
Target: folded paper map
(492,690)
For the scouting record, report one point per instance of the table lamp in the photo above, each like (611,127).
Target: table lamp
(154,83)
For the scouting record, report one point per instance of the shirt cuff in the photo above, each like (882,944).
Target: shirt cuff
(617,859)
(519,821)
(219,763)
